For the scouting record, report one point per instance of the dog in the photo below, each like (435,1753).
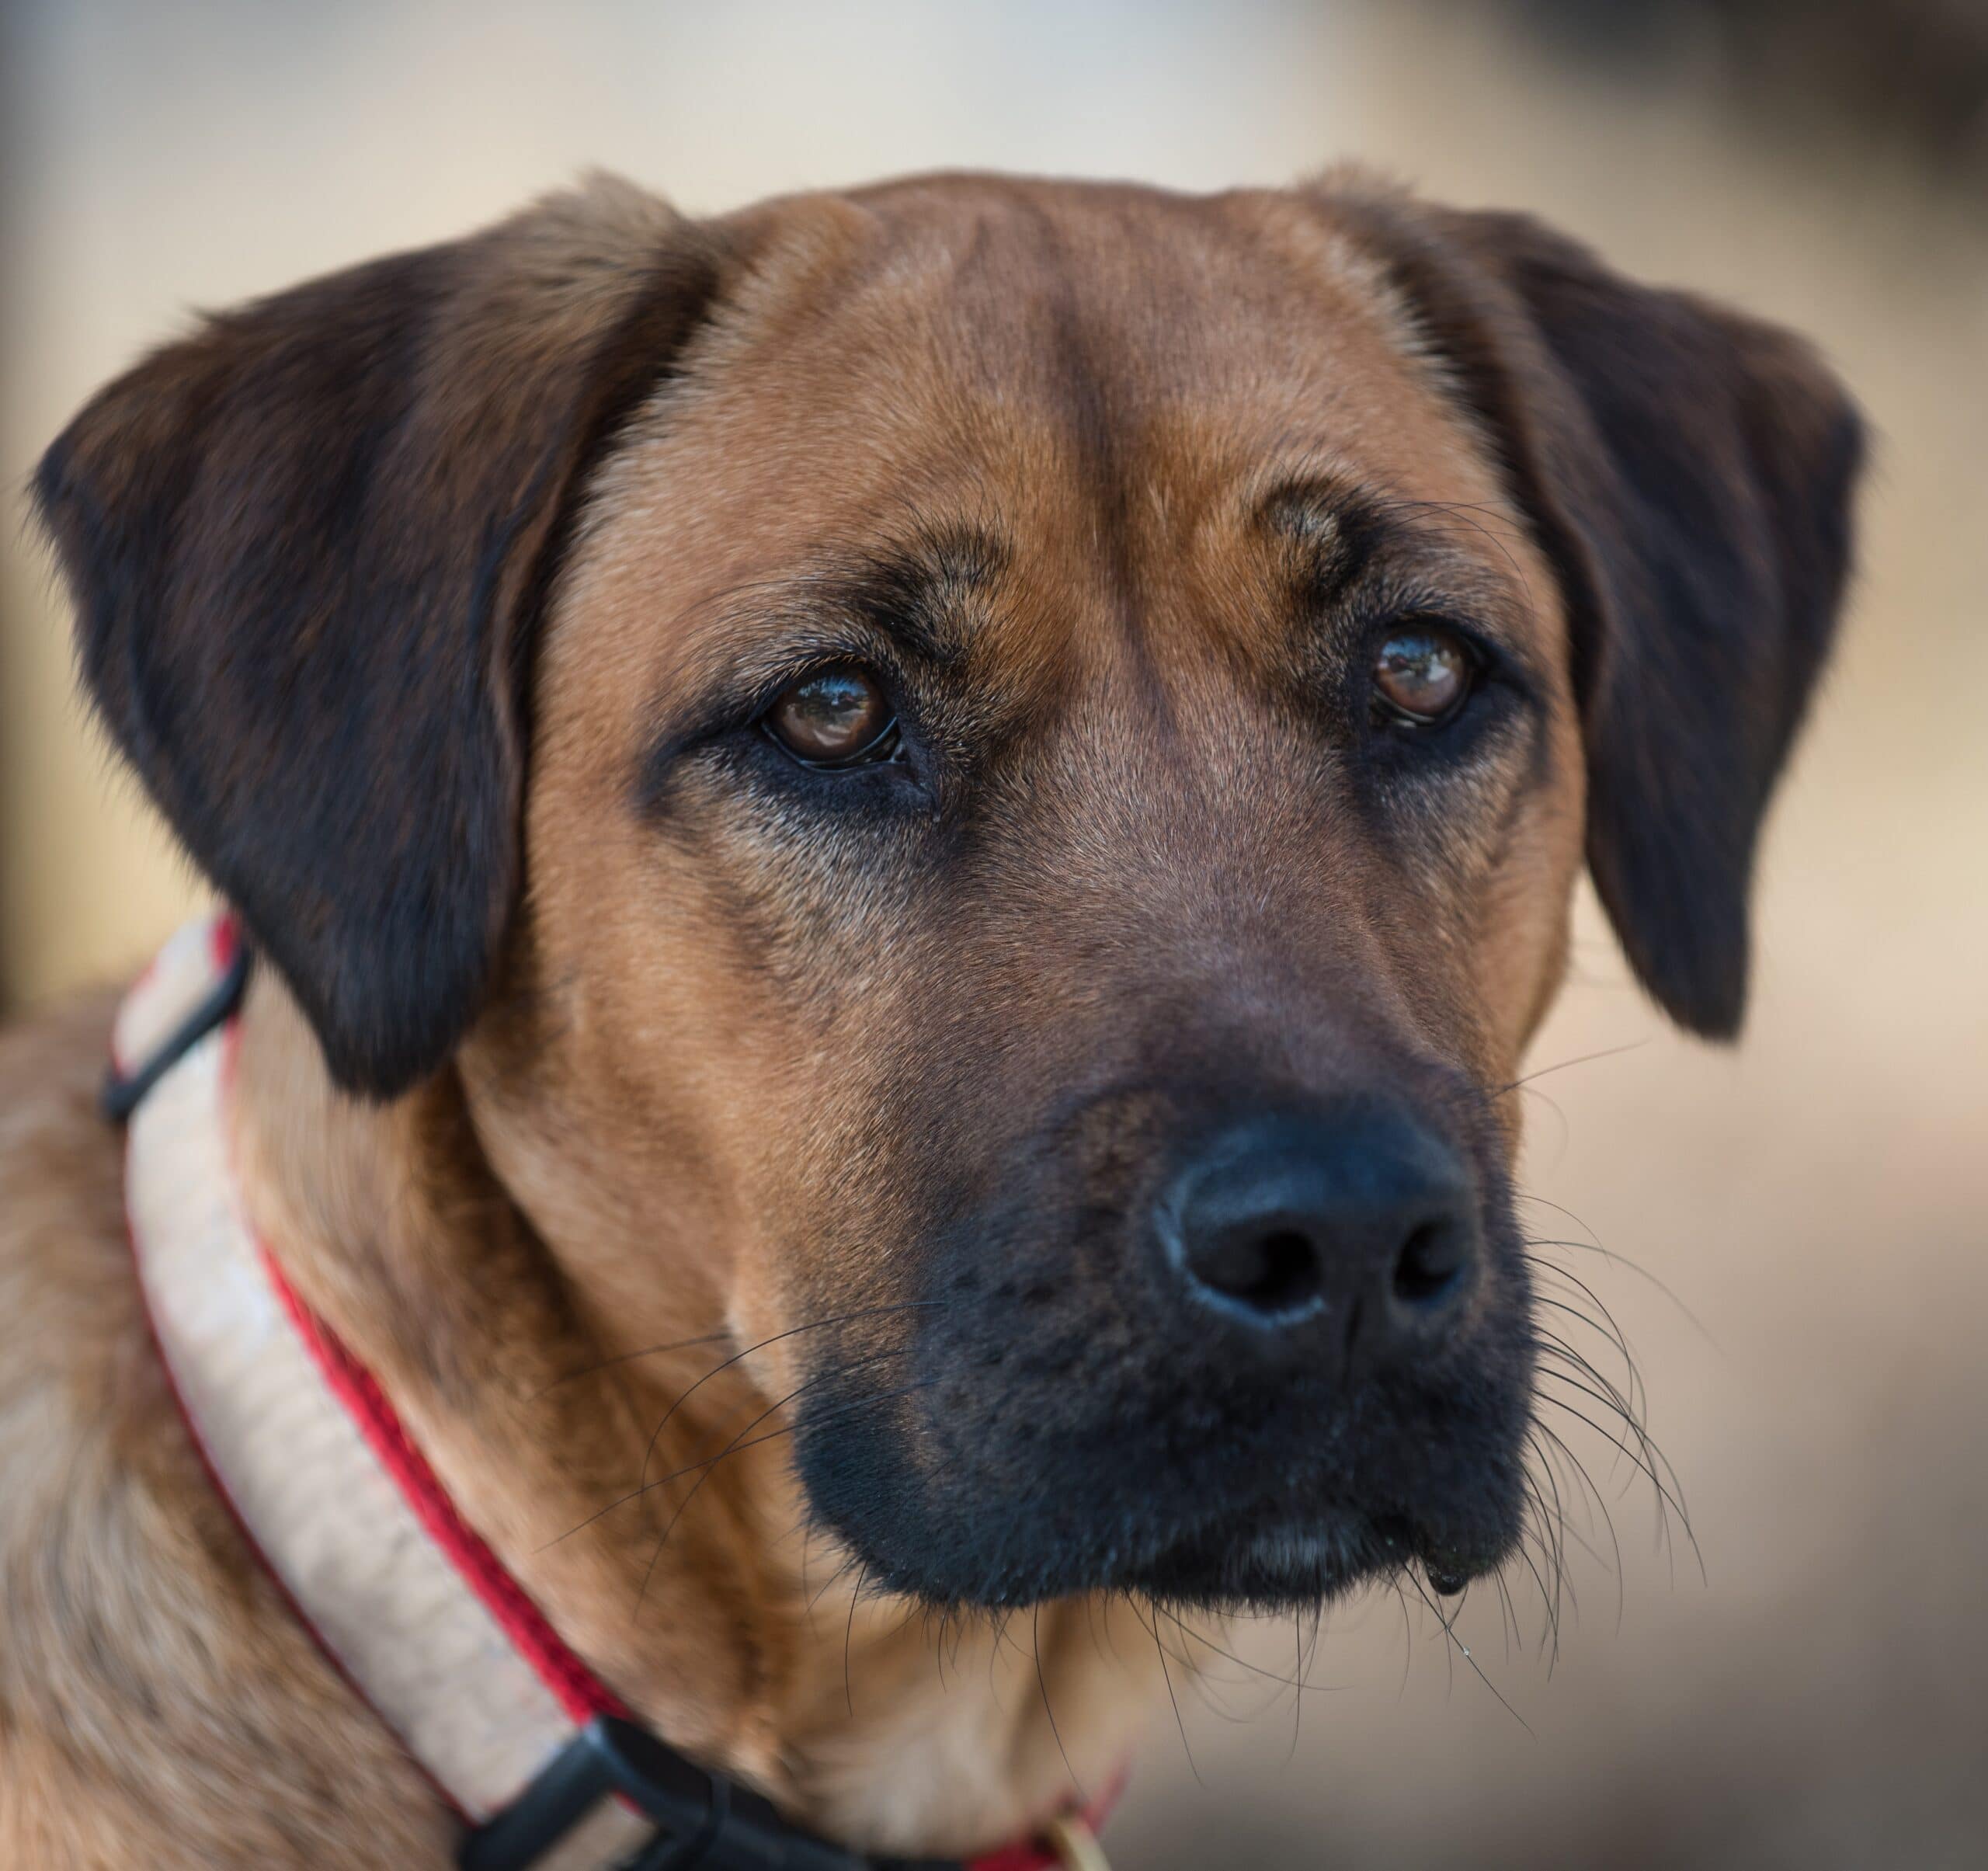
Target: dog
(898,849)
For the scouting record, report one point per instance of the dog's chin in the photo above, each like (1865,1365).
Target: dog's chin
(1276,1566)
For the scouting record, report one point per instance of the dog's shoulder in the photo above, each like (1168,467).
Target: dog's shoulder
(66,1284)
(150,1682)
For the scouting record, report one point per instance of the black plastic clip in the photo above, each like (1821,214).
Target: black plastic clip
(123,1094)
(702,1819)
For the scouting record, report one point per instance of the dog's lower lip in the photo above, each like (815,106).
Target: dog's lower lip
(1284,1561)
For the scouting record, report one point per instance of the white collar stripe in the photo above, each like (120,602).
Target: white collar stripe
(403,1596)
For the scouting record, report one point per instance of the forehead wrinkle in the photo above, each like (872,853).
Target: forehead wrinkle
(1063,350)
(1109,330)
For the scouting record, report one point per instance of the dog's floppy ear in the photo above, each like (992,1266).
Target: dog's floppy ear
(1689,472)
(307,545)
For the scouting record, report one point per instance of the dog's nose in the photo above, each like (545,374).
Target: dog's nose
(1356,1229)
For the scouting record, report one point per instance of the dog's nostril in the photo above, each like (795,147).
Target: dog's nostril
(1430,1266)
(1273,1271)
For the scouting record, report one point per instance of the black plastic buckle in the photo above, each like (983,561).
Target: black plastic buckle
(121,1095)
(702,1819)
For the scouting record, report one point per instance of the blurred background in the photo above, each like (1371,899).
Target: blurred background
(1790,1235)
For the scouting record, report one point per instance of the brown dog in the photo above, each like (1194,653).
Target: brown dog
(973,786)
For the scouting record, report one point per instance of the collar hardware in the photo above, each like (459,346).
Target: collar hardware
(702,1821)
(124,1087)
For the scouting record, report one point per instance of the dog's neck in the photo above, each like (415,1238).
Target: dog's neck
(743,1638)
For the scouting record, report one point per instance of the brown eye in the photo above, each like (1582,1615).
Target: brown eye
(837,717)
(1422,674)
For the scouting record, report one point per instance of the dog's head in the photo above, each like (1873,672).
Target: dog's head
(982,780)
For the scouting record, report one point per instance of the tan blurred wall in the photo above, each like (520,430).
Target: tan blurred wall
(1816,1199)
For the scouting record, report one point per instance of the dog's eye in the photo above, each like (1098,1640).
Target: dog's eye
(1422,675)
(834,717)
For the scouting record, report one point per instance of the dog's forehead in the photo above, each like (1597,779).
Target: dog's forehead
(998,319)
(1093,377)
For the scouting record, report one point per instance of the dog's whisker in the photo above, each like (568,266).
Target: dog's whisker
(1560,1365)
(1611,1400)
(1553,1534)
(663,1481)
(1298,1684)
(1463,1650)
(1608,1398)
(1547,1526)
(1550,1527)
(834,1579)
(1561,1362)
(623,1358)
(1550,1345)
(849,1641)
(1049,1714)
(1593,1244)
(834,1414)
(1567,1064)
(739,1443)
(1554,1450)
(1180,1721)
(867,1312)
(1510,1614)
(1255,1669)
(1407,1634)
(1650,1474)
(1573,1282)
(1632,1373)
(716,1337)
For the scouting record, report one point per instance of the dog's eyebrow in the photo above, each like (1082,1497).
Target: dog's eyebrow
(1332,531)
(1337,538)
(920,594)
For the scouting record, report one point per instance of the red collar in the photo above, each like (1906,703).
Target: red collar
(545,1764)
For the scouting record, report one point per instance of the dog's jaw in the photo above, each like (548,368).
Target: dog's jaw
(869,1721)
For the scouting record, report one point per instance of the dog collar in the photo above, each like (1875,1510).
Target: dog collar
(547,1768)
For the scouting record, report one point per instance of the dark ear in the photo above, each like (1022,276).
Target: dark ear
(1689,472)
(307,545)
